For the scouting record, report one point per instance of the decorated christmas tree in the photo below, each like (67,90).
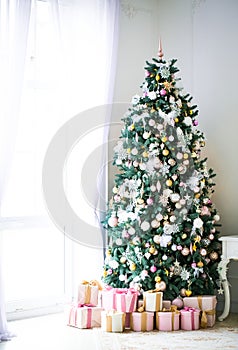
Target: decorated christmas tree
(161,221)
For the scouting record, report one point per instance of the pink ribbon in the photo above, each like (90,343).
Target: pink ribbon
(89,318)
(192,310)
(124,293)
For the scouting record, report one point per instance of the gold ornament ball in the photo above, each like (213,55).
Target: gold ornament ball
(157,77)
(165,152)
(184,236)
(164,139)
(132,267)
(200,264)
(157,279)
(169,182)
(152,250)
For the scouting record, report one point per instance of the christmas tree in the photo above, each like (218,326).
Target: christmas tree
(161,221)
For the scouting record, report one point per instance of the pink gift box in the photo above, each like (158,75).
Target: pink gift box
(108,299)
(126,300)
(167,320)
(87,294)
(142,321)
(205,303)
(189,318)
(84,316)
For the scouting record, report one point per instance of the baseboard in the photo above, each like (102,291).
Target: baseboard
(41,311)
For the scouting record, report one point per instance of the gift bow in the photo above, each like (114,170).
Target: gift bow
(204,313)
(92,283)
(204,317)
(82,305)
(173,308)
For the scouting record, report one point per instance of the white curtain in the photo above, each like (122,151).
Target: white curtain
(14,24)
(87,33)
(79,62)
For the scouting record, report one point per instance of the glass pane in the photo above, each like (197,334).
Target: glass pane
(33,263)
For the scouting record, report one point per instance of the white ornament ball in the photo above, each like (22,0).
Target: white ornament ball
(216,217)
(155,223)
(174,247)
(145,226)
(113,221)
(159,216)
(172,218)
(118,161)
(146,135)
(153,188)
(175,197)
(131,231)
(134,151)
(156,239)
(135,163)
(171,138)
(119,241)
(151,122)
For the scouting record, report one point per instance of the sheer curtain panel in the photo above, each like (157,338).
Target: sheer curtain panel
(14,24)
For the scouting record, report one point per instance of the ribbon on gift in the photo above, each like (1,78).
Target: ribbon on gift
(73,314)
(93,283)
(158,300)
(173,310)
(204,317)
(211,312)
(191,310)
(130,294)
(143,320)
(115,321)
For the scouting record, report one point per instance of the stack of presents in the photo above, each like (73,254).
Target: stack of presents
(117,309)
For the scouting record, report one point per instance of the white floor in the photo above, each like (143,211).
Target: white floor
(48,333)
(51,333)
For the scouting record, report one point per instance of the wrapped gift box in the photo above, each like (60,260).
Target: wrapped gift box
(189,318)
(108,298)
(81,316)
(168,320)
(142,321)
(126,300)
(166,304)
(113,321)
(205,303)
(153,300)
(88,293)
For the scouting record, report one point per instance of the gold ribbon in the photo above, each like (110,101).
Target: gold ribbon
(211,312)
(108,323)
(93,283)
(204,317)
(173,309)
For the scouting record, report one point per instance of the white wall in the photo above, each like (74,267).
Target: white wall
(202,36)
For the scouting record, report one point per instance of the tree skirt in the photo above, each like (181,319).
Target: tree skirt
(219,337)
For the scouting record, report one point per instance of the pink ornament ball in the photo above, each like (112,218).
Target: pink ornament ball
(195,123)
(179,247)
(178,302)
(150,201)
(163,92)
(113,221)
(194,265)
(153,268)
